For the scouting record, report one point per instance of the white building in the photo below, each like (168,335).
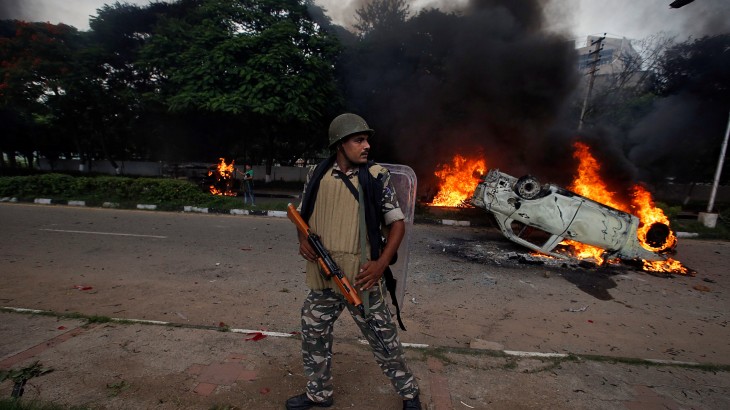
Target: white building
(619,65)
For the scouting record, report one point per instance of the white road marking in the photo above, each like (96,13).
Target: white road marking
(105,233)
(533,354)
(361,341)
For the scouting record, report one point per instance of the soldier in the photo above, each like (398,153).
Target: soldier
(344,198)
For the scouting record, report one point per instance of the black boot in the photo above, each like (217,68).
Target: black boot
(302,402)
(412,404)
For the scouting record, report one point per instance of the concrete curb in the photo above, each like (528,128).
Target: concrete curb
(152,207)
(448,222)
(512,353)
(257,212)
(196,209)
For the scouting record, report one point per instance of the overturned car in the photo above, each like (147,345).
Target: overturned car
(540,217)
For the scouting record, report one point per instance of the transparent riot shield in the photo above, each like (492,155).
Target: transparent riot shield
(404,181)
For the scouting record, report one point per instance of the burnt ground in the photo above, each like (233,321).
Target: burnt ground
(589,337)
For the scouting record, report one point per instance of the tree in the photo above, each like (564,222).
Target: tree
(698,67)
(119,119)
(381,16)
(265,64)
(35,58)
(69,93)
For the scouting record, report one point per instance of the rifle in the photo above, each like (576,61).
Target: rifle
(330,270)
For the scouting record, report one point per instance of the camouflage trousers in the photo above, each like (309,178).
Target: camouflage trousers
(319,313)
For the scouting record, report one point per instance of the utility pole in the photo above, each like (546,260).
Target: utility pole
(709,218)
(718,171)
(596,53)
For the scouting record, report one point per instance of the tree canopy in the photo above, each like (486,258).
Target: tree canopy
(259,71)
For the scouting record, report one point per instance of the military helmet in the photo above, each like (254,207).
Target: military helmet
(345,125)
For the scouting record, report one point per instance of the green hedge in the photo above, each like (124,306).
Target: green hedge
(103,188)
(167,194)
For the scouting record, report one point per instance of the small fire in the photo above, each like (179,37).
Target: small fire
(223,179)
(583,251)
(670,265)
(457,180)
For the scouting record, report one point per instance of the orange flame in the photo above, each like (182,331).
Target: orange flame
(588,180)
(670,265)
(223,175)
(588,183)
(457,180)
(583,251)
(649,214)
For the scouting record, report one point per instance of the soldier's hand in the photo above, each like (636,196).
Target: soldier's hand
(370,274)
(307,252)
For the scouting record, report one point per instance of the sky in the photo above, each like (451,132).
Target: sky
(633,19)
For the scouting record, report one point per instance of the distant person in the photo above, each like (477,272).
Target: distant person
(248,185)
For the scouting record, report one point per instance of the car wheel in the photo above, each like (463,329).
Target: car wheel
(527,187)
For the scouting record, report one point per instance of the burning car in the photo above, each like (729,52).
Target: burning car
(541,216)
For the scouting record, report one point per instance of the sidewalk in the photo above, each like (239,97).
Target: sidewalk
(135,366)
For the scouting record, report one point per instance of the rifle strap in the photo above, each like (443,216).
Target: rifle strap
(365,295)
(355,192)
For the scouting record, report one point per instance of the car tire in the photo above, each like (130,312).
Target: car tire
(528,187)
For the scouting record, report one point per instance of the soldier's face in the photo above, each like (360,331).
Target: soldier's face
(356,149)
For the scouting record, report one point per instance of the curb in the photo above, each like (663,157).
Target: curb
(196,209)
(256,212)
(152,207)
(510,353)
(448,222)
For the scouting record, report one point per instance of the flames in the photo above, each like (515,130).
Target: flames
(458,180)
(222,179)
(649,215)
(588,183)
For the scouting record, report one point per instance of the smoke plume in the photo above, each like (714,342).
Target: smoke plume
(490,78)
(486,80)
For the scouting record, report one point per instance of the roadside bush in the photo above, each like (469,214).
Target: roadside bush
(113,189)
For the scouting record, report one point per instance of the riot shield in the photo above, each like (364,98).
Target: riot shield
(404,181)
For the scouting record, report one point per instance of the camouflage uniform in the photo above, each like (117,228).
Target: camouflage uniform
(322,308)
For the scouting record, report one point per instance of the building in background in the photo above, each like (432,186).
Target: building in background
(617,55)
(617,66)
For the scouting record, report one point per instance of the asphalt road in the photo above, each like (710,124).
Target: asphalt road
(463,289)
(468,296)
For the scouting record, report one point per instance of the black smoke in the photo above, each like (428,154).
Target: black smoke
(679,134)
(487,80)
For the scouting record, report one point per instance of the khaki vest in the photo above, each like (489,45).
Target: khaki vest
(335,219)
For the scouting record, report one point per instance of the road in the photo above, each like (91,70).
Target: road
(243,271)
(469,298)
